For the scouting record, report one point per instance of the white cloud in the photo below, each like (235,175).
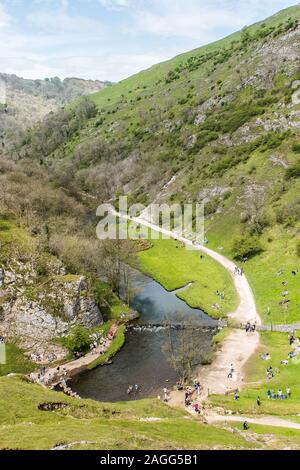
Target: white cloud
(5,19)
(113,66)
(115,4)
(53,21)
(52,39)
(198,19)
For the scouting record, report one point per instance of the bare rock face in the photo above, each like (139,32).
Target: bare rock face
(37,315)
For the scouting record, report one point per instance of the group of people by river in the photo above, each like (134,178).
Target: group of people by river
(47,377)
(190,400)
(133,389)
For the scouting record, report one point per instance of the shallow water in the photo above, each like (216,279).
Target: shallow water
(141,361)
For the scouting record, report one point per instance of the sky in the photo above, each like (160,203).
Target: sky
(113,39)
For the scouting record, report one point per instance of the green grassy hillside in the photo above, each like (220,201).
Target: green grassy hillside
(220,123)
(146,424)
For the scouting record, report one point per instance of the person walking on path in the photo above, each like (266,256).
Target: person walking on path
(258,402)
(245,426)
(231,371)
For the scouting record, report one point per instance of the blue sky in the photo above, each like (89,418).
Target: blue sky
(112,39)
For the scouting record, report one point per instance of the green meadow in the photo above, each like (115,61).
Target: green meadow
(174,266)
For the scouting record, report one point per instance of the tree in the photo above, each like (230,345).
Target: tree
(78,340)
(245,246)
(117,256)
(182,348)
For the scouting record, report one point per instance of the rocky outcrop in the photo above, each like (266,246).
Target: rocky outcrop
(37,313)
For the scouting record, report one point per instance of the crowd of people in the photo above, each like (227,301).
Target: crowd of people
(42,358)
(189,394)
(271,372)
(279,395)
(47,376)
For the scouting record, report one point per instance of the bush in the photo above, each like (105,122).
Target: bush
(42,266)
(293,171)
(289,214)
(296,148)
(211,206)
(273,139)
(78,340)
(246,246)
(232,118)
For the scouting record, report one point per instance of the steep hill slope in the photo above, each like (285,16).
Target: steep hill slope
(85,424)
(221,122)
(23,101)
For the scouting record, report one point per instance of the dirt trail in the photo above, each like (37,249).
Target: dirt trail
(52,376)
(212,418)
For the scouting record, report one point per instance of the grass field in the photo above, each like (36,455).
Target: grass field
(278,438)
(15,361)
(261,271)
(173,266)
(277,345)
(101,426)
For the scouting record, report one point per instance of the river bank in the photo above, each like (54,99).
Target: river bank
(142,360)
(109,346)
(237,347)
(213,377)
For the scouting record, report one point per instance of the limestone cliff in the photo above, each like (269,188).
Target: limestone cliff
(38,313)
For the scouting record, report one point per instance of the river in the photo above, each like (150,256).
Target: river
(142,361)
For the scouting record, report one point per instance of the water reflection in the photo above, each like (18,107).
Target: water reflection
(142,361)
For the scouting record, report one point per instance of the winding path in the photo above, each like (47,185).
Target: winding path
(54,375)
(238,346)
(213,418)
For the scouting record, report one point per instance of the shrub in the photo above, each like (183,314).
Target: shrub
(289,214)
(245,246)
(273,140)
(42,266)
(293,171)
(296,148)
(232,118)
(78,340)
(211,206)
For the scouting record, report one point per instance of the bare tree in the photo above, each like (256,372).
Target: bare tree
(118,256)
(182,347)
